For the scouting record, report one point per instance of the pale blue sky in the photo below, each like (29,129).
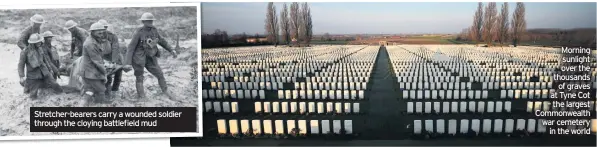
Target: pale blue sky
(391,18)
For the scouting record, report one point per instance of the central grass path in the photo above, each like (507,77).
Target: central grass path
(383,117)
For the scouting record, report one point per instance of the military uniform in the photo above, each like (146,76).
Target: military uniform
(113,54)
(39,71)
(52,54)
(93,72)
(143,53)
(78,38)
(22,43)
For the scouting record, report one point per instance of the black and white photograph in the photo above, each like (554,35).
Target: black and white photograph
(95,57)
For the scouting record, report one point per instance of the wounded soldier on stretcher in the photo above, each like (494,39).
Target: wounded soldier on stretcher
(74,70)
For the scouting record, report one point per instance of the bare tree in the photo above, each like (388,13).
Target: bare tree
(301,26)
(271,24)
(305,26)
(471,34)
(326,37)
(503,24)
(294,21)
(225,39)
(489,31)
(218,34)
(244,37)
(475,32)
(309,25)
(285,25)
(519,24)
(464,35)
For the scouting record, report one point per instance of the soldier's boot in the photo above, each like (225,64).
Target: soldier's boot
(33,94)
(140,88)
(108,82)
(108,86)
(108,93)
(57,88)
(88,98)
(117,79)
(101,98)
(164,86)
(26,90)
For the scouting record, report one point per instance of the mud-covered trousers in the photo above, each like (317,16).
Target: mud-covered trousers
(33,85)
(96,86)
(151,64)
(114,80)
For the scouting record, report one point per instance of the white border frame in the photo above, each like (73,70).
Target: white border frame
(125,134)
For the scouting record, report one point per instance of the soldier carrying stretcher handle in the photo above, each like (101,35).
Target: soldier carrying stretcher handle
(35,69)
(113,54)
(94,72)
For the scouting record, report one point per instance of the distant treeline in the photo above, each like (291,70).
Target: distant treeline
(222,39)
(493,28)
(580,37)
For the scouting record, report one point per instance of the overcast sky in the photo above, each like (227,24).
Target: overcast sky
(391,18)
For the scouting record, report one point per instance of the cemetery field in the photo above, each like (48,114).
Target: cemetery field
(274,95)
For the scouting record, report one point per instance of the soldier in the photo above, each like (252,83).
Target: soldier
(114,55)
(142,53)
(51,50)
(37,20)
(94,68)
(78,37)
(39,71)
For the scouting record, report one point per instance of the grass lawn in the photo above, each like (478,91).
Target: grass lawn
(335,42)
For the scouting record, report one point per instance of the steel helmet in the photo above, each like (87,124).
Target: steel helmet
(35,38)
(96,26)
(48,34)
(103,22)
(147,16)
(37,19)
(70,24)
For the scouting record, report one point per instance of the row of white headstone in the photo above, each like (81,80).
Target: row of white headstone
(462,73)
(475,94)
(262,52)
(322,94)
(243,126)
(233,94)
(280,85)
(483,126)
(338,79)
(444,78)
(308,107)
(468,85)
(220,107)
(453,107)
(474,65)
